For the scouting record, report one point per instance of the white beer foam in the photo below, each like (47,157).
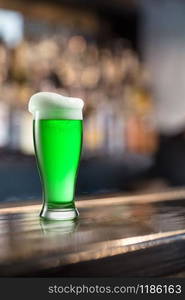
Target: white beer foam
(45,105)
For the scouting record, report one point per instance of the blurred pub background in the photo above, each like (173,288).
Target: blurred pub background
(126,59)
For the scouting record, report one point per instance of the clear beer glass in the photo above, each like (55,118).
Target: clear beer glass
(57,134)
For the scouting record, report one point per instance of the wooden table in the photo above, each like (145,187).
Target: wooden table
(140,235)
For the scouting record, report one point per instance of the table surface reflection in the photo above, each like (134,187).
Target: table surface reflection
(120,235)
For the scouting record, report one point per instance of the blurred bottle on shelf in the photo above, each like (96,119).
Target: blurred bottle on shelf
(26,135)
(140,131)
(94,133)
(4,124)
(14,129)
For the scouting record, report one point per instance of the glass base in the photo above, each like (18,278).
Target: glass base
(58,226)
(59,214)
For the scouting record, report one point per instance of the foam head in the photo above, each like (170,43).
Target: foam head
(46,105)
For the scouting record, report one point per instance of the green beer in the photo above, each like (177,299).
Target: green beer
(57,132)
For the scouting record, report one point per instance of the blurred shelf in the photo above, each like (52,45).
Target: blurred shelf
(20,179)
